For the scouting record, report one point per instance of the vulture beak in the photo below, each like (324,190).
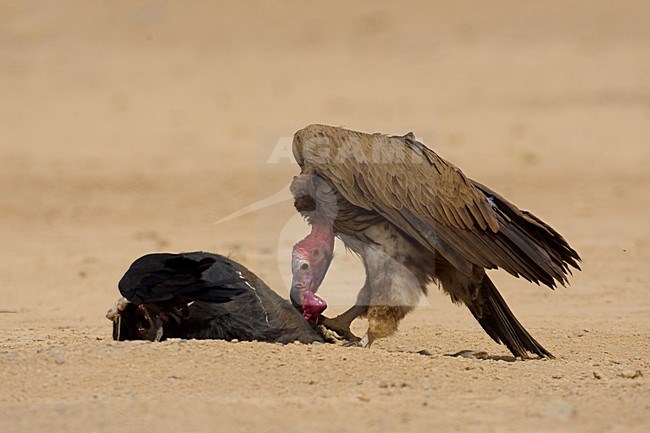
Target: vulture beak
(297,293)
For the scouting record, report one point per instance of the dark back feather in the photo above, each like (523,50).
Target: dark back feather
(162,276)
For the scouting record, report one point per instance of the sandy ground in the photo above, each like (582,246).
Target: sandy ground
(134,126)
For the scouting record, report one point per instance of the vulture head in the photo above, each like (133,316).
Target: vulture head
(310,260)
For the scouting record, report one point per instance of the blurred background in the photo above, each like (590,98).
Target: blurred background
(133,126)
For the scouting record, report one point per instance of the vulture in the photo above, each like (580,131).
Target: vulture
(413,218)
(202,296)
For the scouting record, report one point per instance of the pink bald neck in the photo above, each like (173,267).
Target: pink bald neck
(321,235)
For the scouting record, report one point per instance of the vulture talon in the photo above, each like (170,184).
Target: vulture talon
(341,327)
(366,341)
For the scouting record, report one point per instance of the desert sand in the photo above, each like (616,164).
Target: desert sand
(136,126)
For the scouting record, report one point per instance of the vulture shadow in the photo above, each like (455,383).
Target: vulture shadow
(473,354)
(484,356)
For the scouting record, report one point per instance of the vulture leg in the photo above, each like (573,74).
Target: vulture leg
(341,323)
(391,291)
(383,321)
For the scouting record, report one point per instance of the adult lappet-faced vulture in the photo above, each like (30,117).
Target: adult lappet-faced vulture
(413,218)
(203,296)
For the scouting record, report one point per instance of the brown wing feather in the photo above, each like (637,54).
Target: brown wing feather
(434,203)
(393,169)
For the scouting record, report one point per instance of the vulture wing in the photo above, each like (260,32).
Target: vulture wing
(434,203)
(201,276)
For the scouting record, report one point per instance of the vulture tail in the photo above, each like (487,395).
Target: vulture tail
(500,323)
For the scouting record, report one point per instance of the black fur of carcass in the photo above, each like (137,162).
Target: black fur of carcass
(202,296)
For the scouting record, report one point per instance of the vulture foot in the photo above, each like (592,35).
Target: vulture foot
(341,323)
(366,341)
(341,327)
